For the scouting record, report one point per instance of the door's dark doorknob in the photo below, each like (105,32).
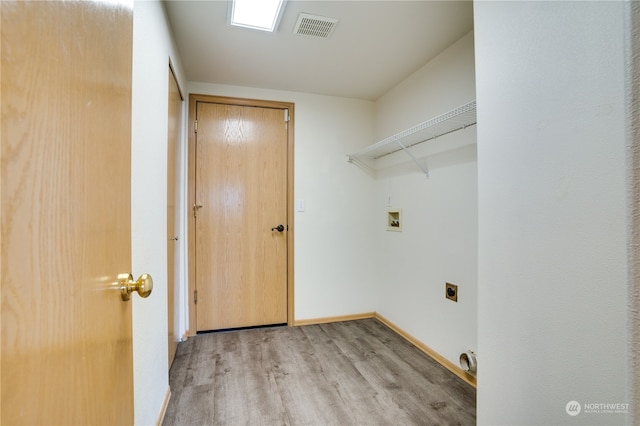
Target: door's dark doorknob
(278,228)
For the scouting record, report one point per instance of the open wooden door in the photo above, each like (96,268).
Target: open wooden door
(65,194)
(173,154)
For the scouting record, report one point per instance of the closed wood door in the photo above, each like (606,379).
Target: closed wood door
(66,181)
(173,155)
(241,184)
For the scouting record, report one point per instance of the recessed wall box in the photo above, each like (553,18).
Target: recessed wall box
(451,291)
(394,220)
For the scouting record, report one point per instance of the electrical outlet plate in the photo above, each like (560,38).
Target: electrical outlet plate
(451,292)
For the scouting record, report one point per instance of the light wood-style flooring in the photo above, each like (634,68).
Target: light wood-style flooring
(345,373)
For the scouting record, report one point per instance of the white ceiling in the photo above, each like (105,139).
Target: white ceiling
(376,45)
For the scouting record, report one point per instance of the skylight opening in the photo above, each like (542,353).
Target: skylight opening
(263,15)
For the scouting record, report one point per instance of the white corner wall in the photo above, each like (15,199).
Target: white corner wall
(334,251)
(152,49)
(438,243)
(442,84)
(552,212)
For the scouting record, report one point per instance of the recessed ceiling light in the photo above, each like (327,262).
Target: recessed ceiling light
(261,15)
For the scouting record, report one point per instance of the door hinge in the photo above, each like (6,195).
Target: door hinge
(195,296)
(195,126)
(286,115)
(195,210)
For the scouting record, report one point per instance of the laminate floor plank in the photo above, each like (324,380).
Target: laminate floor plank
(346,373)
(198,403)
(357,347)
(245,388)
(308,396)
(394,382)
(428,391)
(263,401)
(352,388)
(229,391)
(452,392)
(336,366)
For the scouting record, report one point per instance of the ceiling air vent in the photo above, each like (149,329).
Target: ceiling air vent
(314,25)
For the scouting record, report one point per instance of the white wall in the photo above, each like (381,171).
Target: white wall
(438,243)
(632,89)
(152,48)
(334,237)
(442,84)
(552,215)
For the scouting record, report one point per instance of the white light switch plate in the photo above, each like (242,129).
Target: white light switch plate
(300,205)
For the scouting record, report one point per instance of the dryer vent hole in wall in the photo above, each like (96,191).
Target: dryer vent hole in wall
(469,362)
(451,292)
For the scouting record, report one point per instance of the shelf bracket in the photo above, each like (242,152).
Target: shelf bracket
(413,157)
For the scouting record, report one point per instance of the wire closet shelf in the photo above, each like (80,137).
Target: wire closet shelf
(451,121)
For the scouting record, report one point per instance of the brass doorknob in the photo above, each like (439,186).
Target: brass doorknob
(143,285)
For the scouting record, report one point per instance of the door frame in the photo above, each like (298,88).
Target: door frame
(191,285)
(172,307)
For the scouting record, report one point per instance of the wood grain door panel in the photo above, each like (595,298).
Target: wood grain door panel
(66,230)
(241,183)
